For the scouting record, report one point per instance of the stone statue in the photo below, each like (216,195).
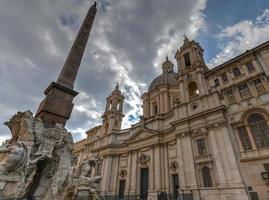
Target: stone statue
(37,160)
(38,163)
(82,184)
(85,179)
(15,158)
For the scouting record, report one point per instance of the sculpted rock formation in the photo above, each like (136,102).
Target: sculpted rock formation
(37,160)
(38,163)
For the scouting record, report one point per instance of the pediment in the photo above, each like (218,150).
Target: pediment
(141,134)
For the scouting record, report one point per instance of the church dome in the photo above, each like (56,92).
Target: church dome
(167,78)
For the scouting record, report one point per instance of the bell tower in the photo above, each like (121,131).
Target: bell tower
(191,68)
(58,104)
(112,117)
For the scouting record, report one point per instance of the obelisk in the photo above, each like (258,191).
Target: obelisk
(58,104)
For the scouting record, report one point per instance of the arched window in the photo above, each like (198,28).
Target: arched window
(118,106)
(236,71)
(193,89)
(110,106)
(207,177)
(155,108)
(259,130)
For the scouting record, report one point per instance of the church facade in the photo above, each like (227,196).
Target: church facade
(204,133)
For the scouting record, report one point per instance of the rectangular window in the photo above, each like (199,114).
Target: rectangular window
(187,59)
(253,195)
(259,86)
(224,77)
(250,66)
(216,82)
(155,108)
(244,139)
(236,71)
(230,96)
(266,166)
(201,145)
(244,91)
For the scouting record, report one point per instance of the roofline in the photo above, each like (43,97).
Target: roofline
(246,53)
(96,127)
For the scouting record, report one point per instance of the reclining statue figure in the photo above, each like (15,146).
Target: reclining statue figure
(85,180)
(15,157)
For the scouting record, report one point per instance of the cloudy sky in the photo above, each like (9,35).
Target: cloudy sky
(129,41)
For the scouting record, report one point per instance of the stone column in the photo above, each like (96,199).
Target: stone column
(201,84)
(150,108)
(104,174)
(189,166)
(171,103)
(108,174)
(233,167)
(129,172)
(217,157)
(252,89)
(182,91)
(237,95)
(162,166)
(157,162)
(166,168)
(151,171)
(160,105)
(134,172)
(180,160)
(166,101)
(115,173)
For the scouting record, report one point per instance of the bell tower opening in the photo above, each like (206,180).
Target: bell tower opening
(193,89)
(187,59)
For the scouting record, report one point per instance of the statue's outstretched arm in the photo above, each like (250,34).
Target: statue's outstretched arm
(4,149)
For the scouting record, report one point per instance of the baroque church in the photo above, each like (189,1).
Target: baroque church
(204,133)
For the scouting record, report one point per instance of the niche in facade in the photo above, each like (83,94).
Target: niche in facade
(193,89)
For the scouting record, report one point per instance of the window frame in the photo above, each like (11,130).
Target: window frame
(203,150)
(230,96)
(250,69)
(187,59)
(155,108)
(244,91)
(237,71)
(207,177)
(217,82)
(258,85)
(260,136)
(224,79)
(244,138)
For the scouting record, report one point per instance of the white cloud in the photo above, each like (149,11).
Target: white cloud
(237,38)
(129,38)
